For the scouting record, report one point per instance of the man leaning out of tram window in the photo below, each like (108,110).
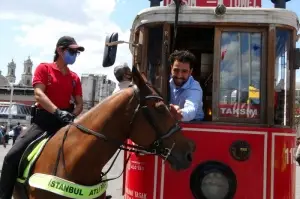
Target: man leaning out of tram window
(186,93)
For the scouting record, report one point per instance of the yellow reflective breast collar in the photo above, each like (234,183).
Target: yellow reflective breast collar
(66,188)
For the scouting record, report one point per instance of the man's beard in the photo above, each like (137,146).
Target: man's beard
(179,81)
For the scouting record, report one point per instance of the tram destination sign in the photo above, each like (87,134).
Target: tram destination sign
(214,3)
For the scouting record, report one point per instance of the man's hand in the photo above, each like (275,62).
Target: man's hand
(64,116)
(176,111)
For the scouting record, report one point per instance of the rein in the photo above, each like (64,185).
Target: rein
(155,148)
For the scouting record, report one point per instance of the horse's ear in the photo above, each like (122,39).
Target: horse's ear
(138,78)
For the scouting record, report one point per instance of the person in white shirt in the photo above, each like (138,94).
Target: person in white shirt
(123,75)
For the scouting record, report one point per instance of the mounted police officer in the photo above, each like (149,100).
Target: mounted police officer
(54,86)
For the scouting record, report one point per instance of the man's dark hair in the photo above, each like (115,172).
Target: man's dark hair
(183,56)
(120,70)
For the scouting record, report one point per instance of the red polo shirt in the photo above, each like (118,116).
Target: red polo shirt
(59,88)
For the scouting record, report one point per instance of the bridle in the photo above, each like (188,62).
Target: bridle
(155,148)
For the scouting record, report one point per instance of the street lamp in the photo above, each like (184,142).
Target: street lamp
(10,106)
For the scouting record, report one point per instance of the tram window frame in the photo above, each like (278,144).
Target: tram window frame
(263,71)
(143,37)
(291,77)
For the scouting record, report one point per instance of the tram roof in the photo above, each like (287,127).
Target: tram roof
(188,14)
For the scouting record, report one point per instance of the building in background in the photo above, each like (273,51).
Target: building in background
(26,79)
(21,94)
(95,89)
(11,70)
(22,91)
(19,113)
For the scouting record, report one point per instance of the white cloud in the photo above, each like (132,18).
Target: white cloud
(237,64)
(87,21)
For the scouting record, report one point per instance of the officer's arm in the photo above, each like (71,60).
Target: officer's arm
(78,105)
(42,99)
(77,94)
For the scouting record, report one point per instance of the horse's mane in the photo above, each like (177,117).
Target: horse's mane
(102,103)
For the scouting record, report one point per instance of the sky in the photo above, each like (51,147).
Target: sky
(32,28)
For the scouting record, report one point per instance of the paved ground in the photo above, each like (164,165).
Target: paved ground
(115,187)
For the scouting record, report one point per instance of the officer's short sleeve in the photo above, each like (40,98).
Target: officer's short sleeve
(40,75)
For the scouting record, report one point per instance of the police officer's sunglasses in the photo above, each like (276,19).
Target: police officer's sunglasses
(73,51)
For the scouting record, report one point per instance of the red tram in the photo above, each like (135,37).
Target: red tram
(246,58)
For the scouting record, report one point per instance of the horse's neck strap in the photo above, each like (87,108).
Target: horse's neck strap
(67,188)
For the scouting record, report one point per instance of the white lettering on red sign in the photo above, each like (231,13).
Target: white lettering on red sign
(135,194)
(129,191)
(211,2)
(250,113)
(186,2)
(134,165)
(190,2)
(239,3)
(227,3)
(289,154)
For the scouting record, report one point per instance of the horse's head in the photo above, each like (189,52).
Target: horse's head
(155,128)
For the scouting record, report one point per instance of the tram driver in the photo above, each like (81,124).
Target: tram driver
(185,92)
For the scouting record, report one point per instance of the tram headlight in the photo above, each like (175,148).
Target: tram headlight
(215,185)
(213,180)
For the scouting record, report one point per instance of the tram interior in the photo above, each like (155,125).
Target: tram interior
(200,41)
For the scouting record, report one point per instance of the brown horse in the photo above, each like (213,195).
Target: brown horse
(137,112)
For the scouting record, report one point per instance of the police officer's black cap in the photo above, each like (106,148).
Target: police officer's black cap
(69,42)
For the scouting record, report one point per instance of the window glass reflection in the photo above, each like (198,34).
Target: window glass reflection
(281,78)
(240,72)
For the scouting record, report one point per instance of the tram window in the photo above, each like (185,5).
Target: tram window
(282,77)
(240,73)
(200,42)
